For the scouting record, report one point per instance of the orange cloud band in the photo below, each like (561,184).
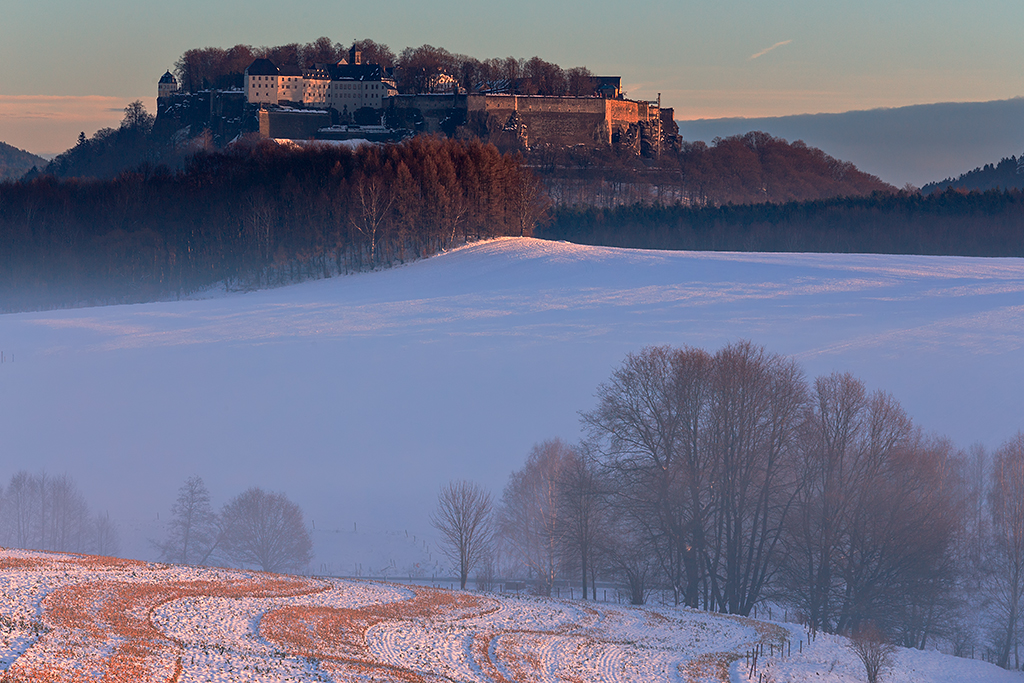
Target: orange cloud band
(48,124)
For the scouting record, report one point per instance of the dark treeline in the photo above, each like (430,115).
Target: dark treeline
(730,481)
(953,223)
(417,69)
(254,215)
(1007,174)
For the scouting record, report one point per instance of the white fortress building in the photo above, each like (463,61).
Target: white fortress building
(344,86)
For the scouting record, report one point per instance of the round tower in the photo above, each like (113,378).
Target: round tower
(168,85)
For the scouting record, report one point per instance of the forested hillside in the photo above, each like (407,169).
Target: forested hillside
(1005,175)
(111,151)
(756,167)
(252,216)
(744,169)
(15,162)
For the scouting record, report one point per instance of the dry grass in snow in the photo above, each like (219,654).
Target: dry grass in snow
(81,618)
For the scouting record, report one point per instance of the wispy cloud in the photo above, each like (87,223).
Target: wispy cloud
(765,51)
(49,124)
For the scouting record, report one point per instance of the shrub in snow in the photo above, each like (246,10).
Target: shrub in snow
(873,649)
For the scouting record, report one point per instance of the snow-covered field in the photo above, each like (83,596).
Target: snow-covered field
(359,396)
(81,618)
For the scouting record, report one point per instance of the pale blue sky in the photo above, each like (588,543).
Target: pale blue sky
(841,56)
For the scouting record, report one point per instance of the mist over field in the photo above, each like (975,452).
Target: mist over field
(358,396)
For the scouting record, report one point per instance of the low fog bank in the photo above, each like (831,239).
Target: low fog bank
(359,396)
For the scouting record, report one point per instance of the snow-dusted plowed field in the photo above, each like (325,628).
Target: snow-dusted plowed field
(84,618)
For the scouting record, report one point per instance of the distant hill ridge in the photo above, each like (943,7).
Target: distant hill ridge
(15,162)
(917,144)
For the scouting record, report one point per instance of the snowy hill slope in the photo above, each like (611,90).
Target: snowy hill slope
(359,396)
(83,618)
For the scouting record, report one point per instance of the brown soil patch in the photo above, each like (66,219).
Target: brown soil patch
(715,665)
(337,636)
(17,563)
(84,616)
(710,666)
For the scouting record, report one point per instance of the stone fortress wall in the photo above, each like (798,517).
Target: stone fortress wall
(533,120)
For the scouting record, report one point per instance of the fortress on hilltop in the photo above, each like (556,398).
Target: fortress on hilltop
(346,86)
(353,99)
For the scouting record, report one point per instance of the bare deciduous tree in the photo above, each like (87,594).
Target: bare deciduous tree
(628,553)
(529,515)
(370,213)
(20,505)
(192,532)
(703,448)
(757,400)
(46,512)
(833,431)
(528,203)
(977,479)
(582,514)
(877,510)
(105,538)
(463,516)
(1007,502)
(266,530)
(637,429)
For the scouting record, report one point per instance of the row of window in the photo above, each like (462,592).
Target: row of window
(368,86)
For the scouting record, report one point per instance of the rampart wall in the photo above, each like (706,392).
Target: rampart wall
(513,120)
(543,120)
(292,124)
(434,109)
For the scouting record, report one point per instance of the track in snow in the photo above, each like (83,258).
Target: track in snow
(81,618)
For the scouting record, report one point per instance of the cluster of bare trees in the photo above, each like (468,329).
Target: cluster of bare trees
(877,511)
(757,167)
(255,214)
(728,479)
(256,528)
(416,68)
(1001,563)
(547,519)
(699,450)
(47,512)
(441,190)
